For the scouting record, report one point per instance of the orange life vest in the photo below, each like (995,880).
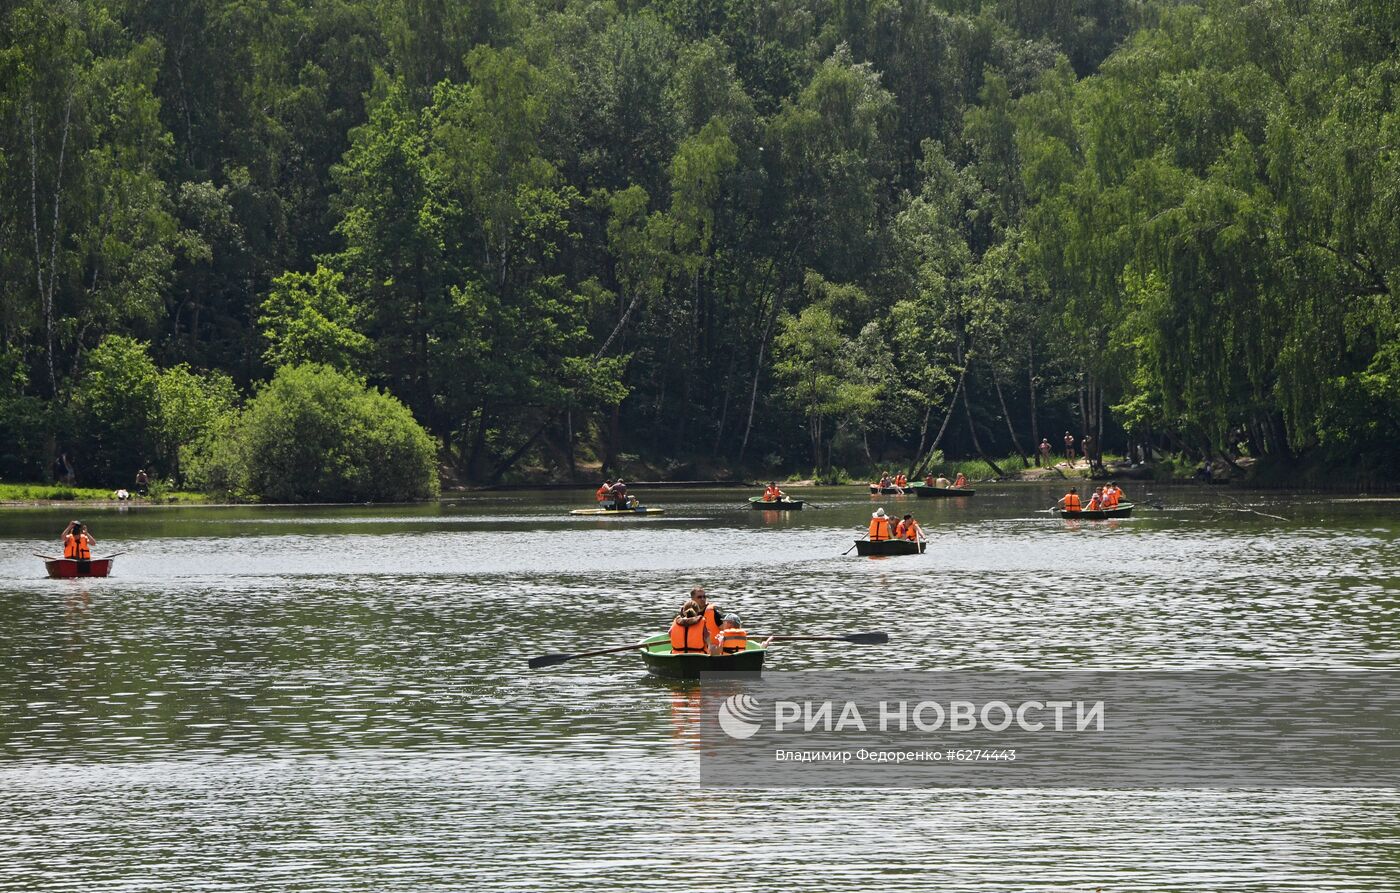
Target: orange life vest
(772,494)
(76,546)
(687,639)
(710,623)
(733,640)
(1095,504)
(603,493)
(901,481)
(911,532)
(879,529)
(1071,502)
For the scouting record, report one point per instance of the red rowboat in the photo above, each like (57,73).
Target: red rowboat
(74,567)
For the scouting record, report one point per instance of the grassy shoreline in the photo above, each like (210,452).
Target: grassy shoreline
(62,494)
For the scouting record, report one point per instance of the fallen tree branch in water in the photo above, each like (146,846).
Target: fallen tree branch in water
(1245,508)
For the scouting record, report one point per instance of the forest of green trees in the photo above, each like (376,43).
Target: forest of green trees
(758,235)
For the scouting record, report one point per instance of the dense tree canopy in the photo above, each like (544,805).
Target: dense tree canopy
(746,234)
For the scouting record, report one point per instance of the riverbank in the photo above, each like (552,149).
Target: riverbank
(60,494)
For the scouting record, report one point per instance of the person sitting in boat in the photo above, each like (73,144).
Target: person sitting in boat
(885,480)
(1095,501)
(618,492)
(688,634)
(77,542)
(908,529)
(960,482)
(942,483)
(1070,501)
(705,613)
(880,528)
(773,494)
(928,480)
(731,638)
(604,492)
(1114,493)
(901,481)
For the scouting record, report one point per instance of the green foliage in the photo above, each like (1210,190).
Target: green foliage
(119,407)
(316,435)
(306,318)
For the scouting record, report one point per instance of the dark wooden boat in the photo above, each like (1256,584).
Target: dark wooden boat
(889,547)
(943,492)
(656,654)
(889,491)
(64,568)
(1122,511)
(780,505)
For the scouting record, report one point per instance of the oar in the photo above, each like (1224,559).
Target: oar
(853,545)
(549,660)
(45,557)
(853,638)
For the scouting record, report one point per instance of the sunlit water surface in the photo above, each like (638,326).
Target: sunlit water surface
(324,699)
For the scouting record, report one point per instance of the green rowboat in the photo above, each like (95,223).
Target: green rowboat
(1122,511)
(656,654)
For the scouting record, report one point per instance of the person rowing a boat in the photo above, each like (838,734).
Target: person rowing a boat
(619,495)
(908,529)
(1070,501)
(942,483)
(604,492)
(960,482)
(77,542)
(696,612)
(773,494)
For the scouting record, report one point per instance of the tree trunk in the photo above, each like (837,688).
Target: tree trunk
(923,436)
(757,373)
(1025,460)
(947,417)
(976,443)
(1035,422)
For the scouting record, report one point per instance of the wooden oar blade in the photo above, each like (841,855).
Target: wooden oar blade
(549,660)
(867,638)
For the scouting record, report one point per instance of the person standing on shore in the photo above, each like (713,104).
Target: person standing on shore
(1043,460)
(1069,447)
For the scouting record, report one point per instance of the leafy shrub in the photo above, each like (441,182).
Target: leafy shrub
(317,435)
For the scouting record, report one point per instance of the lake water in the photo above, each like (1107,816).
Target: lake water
(318,699)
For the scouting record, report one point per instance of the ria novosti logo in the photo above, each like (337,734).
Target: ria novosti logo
(739,716)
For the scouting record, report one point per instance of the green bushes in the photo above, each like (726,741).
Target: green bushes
(317,435)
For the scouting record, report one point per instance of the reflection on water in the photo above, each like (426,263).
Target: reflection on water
(337,698)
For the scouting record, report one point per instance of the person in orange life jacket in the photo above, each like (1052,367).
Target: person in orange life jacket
(1114,494)
(687,633)
(900,480)
(773,494)
(604,492)
(77,542)
(880,528)
(703,615)
(1070,500)
(731,638)
(1095,501)
(961,480)
(908,529)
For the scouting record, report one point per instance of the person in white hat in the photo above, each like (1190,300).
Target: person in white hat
(880,526)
